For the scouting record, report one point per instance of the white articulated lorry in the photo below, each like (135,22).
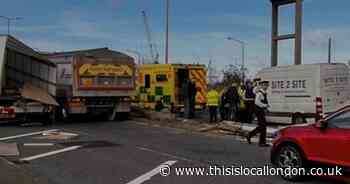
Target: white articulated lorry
(303,93)
(27,83)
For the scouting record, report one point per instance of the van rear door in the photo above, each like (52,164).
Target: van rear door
(199,75)
(182,75)
(334,86)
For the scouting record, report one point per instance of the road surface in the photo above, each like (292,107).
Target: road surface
(129,152)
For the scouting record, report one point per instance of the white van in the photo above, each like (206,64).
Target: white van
(301,93)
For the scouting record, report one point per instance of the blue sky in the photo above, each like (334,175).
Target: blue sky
(198,28)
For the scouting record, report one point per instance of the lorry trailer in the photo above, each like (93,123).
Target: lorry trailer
(27,83)
(96,81)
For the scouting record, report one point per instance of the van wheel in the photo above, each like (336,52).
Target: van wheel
(289,157)
(298,119)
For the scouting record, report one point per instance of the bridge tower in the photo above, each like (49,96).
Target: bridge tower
(297,36)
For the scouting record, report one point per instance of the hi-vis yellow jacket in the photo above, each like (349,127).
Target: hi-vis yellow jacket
(213,98)
(241,94)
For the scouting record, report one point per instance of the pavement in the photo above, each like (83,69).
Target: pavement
(128,152)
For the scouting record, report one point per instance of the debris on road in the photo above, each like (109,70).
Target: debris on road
(225,127)
(160,116)
(57,136)
(197,125)
(167,119)
(9,149)
(208,128)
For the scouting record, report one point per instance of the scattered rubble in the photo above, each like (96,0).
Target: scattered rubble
(57,136)
(225,127)
(163,119)
(160,116)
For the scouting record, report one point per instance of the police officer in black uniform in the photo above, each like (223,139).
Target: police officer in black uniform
(249,100)
(262,105)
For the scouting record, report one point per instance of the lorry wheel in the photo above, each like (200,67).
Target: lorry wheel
(64,115)
(298,119)
(52,117)
(122,116)
(23,120)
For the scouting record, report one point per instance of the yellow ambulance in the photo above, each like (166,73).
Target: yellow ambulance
(165,81)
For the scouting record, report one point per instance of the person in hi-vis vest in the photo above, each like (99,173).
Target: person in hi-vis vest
(213,103)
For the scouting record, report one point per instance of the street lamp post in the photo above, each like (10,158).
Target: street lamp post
(9,19)
(167,32)
(243,45)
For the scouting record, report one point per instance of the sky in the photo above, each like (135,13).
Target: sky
(198,29)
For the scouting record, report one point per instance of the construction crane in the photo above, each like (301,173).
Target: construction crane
(152,46)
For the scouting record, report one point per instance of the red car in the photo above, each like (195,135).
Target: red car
(325,143)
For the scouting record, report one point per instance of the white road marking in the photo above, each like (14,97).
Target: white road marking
(38,144)
(50,153)
(147,176)
(26,135)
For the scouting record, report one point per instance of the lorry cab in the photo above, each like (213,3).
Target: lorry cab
(165,81)
(303,93)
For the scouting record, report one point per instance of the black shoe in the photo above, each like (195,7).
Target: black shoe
(264,145)
(248,139)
